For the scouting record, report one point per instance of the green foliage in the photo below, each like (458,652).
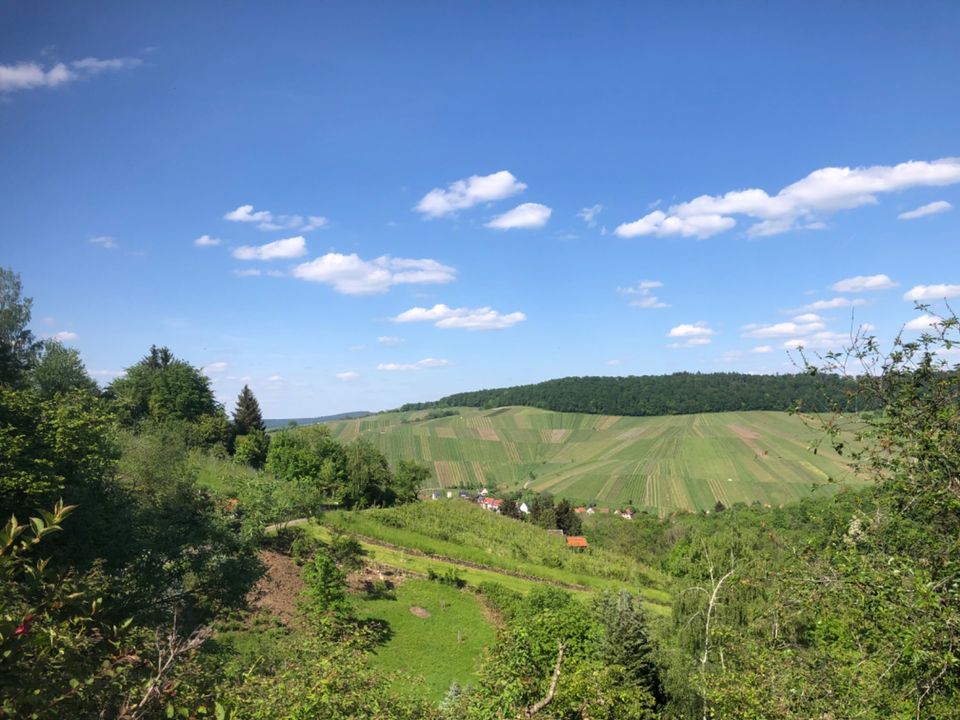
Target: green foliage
(679,393)
(18,346)
(310,459)
(60,370)
(252,449)
(162,388)
(247,417)
(409,477)
(447,577)
(326,593)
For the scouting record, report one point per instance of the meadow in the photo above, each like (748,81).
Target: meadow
(660,464)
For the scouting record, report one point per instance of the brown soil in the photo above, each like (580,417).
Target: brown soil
(363,580)
(278,591)
(419,611)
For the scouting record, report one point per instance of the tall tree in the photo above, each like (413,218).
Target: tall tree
(18,346)
(247,416)
(60,370)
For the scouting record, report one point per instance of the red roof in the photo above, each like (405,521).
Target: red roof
(492,502)
(580,510)
(576,541)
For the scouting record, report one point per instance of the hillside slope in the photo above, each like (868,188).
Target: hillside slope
(683,462)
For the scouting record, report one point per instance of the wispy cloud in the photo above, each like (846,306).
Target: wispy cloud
(527,215)
(266,220)
(833,304)
(215,368)
(803,204)
(425,364)
(940,206)
(863,283)
(348,376)
(65,336)
(390,340)
(468,192)
(642,294)
(351,275)
(278,250)
(29,75)
(589,214)
(784,329)
(104,241)
(441,316)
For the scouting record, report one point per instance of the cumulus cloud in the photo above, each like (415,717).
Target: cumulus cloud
(104,241)
(207,241)
(277,250)
(784,329)
(424,364)
(940,206)
(466,193)
(920,293)
(441,316)
(527,215)
(833,303)
(589,215)
(65,336)
(698,333)
(802,204)
(348,376)
(266,220)
(351,275)
(922,323)
(29,75)
(642,294)
(862,283)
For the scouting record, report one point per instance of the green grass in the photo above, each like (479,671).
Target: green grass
(430,653)
(462,531)
(663,464)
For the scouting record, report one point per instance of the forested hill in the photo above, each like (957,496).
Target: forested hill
(676,394)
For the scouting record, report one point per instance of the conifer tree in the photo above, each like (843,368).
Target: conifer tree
(247,416)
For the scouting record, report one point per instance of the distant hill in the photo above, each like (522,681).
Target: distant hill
(663,464)
(274,423)
(652,395)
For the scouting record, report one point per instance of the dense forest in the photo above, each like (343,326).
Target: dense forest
(676,394)
(136,524)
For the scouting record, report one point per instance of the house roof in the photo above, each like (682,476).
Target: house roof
(492,502)
(580,510)
(577,541)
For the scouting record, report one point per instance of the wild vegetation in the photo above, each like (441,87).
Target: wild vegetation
(139,559)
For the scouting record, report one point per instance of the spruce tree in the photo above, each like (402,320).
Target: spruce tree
(246,416)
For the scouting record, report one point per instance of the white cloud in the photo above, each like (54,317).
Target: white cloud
(924,322)
(807,318)
(357,348)
(784,329)
(833,304)
(931,292)
(107,373)
(691,342)
(104,241)
(65,336)
(348,376)
(940,206)
(862,283)
(762,349)
(589,215)
(266,220)
(248,272)
(351,275)
(207,241)
(643,295)
(660,224)
(527,215)
(215,368)
(424,364)
(825,340)
(697,329)
(276,250)
(464,194)
(615,362)
(390,340)
(442,316)
(28,75)
(275,379)
(802,204)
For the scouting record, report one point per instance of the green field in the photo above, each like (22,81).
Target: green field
(663,464)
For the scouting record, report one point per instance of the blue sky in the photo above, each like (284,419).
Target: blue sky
(405,200)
